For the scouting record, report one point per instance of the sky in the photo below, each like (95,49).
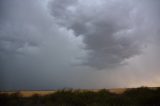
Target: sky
(81,44)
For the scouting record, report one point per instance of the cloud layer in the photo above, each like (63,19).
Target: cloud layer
(32,45)
(50,44)
(112,31)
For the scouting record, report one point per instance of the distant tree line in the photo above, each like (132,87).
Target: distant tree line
(132,97)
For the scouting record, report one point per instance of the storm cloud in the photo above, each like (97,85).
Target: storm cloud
(32,45)
(51,44)
(112,31)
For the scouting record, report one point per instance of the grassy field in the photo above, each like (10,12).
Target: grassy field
(26,93)
(30,93)
(68,97)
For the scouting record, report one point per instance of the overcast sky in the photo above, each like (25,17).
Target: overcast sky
(89,44)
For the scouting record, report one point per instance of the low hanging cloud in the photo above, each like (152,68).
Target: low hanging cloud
(33,49)
(42,41)
(112,31)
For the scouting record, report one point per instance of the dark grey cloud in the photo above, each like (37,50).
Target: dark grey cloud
(33,49)
(49,44)
(109,28)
